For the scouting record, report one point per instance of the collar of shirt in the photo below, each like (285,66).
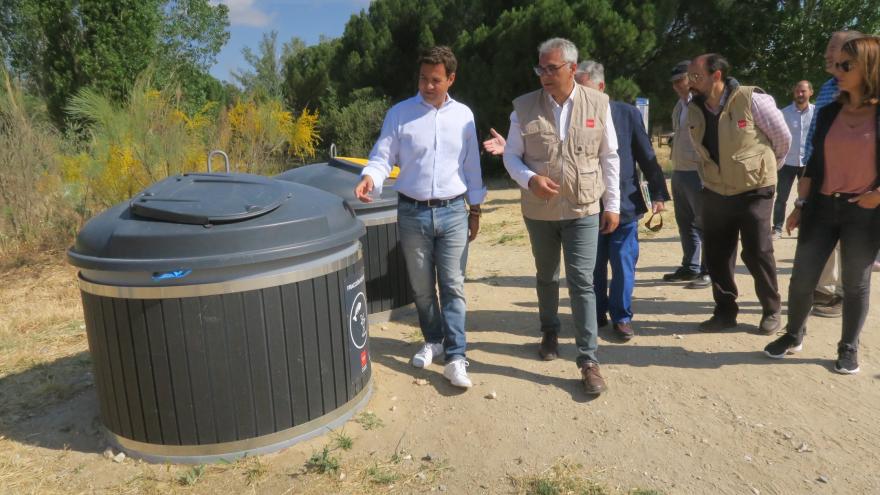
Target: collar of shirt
(446,102)
(561,113)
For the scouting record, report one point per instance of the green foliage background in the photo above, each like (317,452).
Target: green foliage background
(55,52)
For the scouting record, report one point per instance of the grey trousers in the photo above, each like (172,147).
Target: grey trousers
(579,240)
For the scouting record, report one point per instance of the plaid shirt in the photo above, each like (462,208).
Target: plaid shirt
(827,93)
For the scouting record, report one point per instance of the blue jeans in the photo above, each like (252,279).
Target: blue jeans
(621,248)
(688,201)
(822,225)
(784,179)
(578,239)
(434,243)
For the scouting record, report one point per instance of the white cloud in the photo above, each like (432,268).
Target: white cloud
(245,13)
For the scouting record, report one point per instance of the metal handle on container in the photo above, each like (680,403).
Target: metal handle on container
(221,153)
(332,150)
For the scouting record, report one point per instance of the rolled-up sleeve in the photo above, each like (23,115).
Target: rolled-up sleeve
(771,122)
(610,163)
(513,152)
(473,178)
(384,154)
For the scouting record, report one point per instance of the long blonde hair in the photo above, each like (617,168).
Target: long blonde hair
(865,53)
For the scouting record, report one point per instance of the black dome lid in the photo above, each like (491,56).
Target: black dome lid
(341,182)
(215,220)
(209,198)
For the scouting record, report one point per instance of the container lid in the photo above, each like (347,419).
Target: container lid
(356,165)
(341,181)
(209,198)
(203,221)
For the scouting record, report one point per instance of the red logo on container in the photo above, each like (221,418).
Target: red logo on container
(591,123)
(741,124)
(363,360)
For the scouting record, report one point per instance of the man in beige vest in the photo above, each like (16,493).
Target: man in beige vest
(742,140)
(562,151)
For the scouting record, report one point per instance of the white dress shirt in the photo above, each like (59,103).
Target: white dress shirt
(608,159)
(436,150)
(798,122)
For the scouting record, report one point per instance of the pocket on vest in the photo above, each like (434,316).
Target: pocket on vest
(539,147)
(749,170)
(588,187)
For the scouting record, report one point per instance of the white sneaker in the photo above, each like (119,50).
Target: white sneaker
(426,354)
(455,372)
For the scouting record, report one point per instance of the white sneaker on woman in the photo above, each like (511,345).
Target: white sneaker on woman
(426,354)
(455,372)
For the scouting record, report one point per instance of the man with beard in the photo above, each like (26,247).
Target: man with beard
(798,116)
(742,140)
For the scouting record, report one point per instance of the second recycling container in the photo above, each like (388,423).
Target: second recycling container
(226,316)
(388,287)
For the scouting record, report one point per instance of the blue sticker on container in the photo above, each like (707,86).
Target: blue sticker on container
(159,276)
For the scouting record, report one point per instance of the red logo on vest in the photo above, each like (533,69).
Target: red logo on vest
(590,123)
(741,124)
(363,360)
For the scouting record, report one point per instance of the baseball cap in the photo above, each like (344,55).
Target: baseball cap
(679,71)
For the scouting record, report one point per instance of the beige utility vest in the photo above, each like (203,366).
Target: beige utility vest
(572,163)
(746,158)
(684,157)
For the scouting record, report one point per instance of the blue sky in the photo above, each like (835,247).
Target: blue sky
(306,19)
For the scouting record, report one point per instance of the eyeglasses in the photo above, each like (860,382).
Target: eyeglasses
(844,66)
(695,77)
(654,227)
(550,70)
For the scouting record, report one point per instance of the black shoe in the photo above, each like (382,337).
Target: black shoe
(847,359)
(786,344)
(770,324)
(601,321)
(701,282)
(717,323)
(681,275)
(549,348)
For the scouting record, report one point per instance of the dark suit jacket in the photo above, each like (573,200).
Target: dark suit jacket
(634,146)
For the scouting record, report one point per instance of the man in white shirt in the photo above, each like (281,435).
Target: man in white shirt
(798,116)
(562,151)
(433,139)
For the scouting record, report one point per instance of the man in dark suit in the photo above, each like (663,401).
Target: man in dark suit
(621,247)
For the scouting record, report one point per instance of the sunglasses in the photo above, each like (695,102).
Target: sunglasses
(656,226)
(550,70)
(845,66)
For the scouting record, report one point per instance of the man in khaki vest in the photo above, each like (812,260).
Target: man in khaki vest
(562,151)
(742,140)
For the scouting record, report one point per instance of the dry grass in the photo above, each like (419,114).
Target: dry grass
(41,316)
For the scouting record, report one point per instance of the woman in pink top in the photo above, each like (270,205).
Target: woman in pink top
(837,200)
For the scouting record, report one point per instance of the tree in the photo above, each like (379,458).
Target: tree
(265,77)
(58,47)
(307,75)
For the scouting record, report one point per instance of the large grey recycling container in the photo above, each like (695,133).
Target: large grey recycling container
(388,286)
(225,316)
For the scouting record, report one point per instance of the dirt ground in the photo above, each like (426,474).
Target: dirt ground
(685,412)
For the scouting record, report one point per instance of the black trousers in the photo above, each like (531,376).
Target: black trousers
(727,220)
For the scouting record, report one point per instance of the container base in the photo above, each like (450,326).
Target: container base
(229,451)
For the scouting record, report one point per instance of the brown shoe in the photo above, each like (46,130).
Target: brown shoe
(593,382)
(549,349)
(623,330)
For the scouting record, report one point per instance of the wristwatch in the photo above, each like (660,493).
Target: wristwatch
(799,203)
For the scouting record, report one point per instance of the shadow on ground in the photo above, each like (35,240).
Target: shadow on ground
(52,405)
